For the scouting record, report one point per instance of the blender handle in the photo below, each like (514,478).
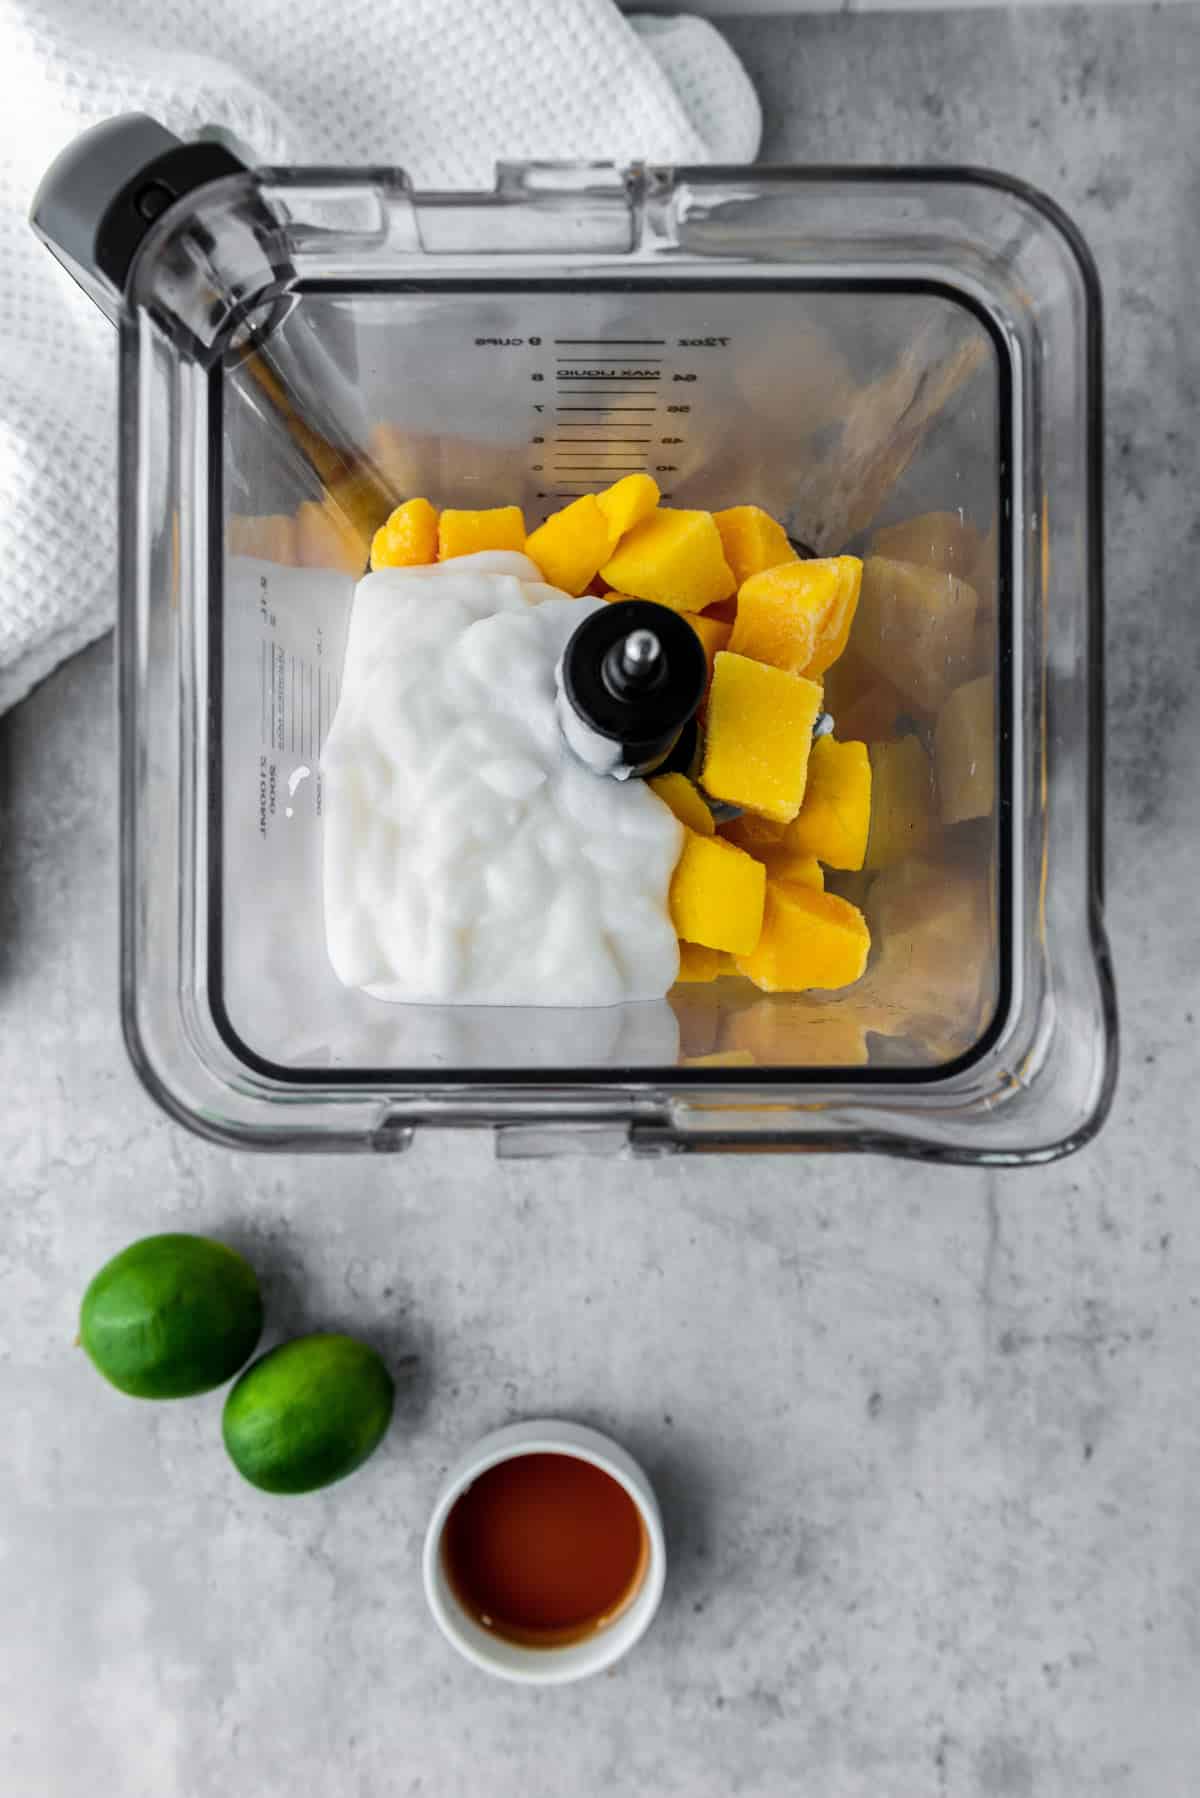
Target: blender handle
(103,193)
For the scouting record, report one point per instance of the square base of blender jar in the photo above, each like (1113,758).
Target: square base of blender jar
(891,412)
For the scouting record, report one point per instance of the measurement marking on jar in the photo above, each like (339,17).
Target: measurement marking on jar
(589,342)
(606,409)
(616,442)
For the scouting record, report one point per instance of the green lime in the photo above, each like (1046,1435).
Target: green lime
(171,1316)
(308,1413)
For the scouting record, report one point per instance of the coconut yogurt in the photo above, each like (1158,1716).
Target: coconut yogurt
(469,857)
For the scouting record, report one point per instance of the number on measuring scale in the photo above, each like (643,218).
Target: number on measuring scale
(679,408)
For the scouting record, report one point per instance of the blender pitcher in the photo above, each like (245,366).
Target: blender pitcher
(900,363)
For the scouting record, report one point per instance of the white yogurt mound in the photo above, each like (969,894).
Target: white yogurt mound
(469,857)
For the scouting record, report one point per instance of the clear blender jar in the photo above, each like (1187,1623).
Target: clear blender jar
(904,364)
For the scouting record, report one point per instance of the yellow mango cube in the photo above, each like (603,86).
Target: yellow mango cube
(758,736)
(916,627)
(752,540)
(408,538)
(626,503)
(934,979)
(902,816)
(835,635)
(673,557)
(716,896)
(834,820)
(325,538)
(803,870)
(873,713)
(809,940)
(799,1033)
(798,616)
(463,533)
(964,752)
(677,791)
(984,572)
(272,536)
(722,1058)
(698,964)
(570,546)
(935,540)
(757,836)
(712,632)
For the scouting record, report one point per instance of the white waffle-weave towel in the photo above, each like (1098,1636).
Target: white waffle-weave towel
(442,88)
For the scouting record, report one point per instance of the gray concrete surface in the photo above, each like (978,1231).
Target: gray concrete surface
(928,1442)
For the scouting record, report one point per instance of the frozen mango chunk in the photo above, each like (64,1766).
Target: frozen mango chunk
(799,1033)
(983,648)
(721,1058)
(934,979)
(876,711)
(674,557)
(462,533)
(983,573)
(408,537)
(712,632)
(798,616)
(326,538)
(809,939)
(835,634)
(677,791)
(716,896)
(399,458)
(570,546)
(698,964)
(902,819)
(964,752)
(768,843)
(916,627)
(272,537)
(752,540)
(942,540)
(833,822)
(759,735)
(757,836)
(779,612)
(626,503)
(785,864)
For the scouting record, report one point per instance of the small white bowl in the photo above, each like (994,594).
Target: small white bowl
(574,1660)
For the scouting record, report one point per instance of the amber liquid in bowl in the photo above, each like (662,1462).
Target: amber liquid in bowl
(545,1550)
